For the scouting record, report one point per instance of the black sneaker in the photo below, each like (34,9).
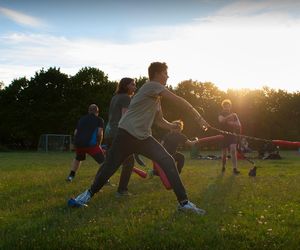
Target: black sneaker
(236,172)
(252,172)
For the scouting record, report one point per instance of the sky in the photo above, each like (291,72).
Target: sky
(233,44)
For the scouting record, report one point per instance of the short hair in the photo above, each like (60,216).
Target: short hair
(122,86)
(226,101)
(93,109)
(156,67)
(179,123)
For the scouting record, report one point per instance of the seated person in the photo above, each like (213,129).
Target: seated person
(244,146)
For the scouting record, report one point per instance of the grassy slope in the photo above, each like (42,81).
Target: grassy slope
(243,212)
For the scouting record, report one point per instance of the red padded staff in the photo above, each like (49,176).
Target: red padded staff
(139,172)
(162,176)
(286,144)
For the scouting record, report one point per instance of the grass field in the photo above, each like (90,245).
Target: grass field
(242,212)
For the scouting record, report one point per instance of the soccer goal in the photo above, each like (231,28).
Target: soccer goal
(54,142)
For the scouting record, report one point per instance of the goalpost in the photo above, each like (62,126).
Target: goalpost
(54,142)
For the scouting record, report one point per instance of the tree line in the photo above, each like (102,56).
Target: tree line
(52,102)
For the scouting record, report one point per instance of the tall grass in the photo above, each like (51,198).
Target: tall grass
(242,212)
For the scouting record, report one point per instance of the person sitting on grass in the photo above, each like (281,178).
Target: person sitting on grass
(172,140)
(134,135)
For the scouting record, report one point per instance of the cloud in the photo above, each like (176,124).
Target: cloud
(21,18)
(245,16)
(266,13)
(256,7)
(228,50)
(10,72)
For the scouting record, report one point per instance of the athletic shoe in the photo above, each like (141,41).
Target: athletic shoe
(236,172)
(252,172)
(108,183)
(72,203)
(120,194)
(80,200)
(191,207)
(70,178)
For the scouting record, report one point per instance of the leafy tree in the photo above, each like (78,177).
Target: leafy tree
(205,97)
(11,112)
(89,85)
(46,103)
(52,102)
(140,81)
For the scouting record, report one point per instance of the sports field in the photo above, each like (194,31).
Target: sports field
(242,212)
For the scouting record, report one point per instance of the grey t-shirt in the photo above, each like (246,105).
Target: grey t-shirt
(117,103)
(141,112)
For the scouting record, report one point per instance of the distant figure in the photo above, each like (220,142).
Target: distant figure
(88,136)
(244,146)
(269,151)
(135,136)
(229,122)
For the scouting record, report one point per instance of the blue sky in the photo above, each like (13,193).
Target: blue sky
(234,44)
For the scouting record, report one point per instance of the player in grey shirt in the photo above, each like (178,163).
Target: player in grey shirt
(134,136)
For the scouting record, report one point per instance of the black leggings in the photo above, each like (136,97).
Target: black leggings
(125,145)
(126,172)
(179,160)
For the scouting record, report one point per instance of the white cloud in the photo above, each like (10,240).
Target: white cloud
(232,51)
(21,18)
(10,72)
(250,7)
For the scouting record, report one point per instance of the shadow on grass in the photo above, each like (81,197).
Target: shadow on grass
(139,222)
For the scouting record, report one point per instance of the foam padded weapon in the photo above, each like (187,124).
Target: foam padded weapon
(286,144)
(139,172)
(241,156)
(211,139)
(162,176)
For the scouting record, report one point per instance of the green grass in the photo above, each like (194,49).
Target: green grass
(242,212)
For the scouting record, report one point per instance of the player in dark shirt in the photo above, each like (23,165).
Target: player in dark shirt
(118,107)
(229,122)
(172,140)
(88,136)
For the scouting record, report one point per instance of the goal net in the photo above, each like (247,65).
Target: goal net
(54,142)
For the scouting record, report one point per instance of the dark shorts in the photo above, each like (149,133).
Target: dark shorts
(229,140)
(92,151)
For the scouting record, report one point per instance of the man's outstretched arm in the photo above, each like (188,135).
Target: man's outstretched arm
(185,105)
